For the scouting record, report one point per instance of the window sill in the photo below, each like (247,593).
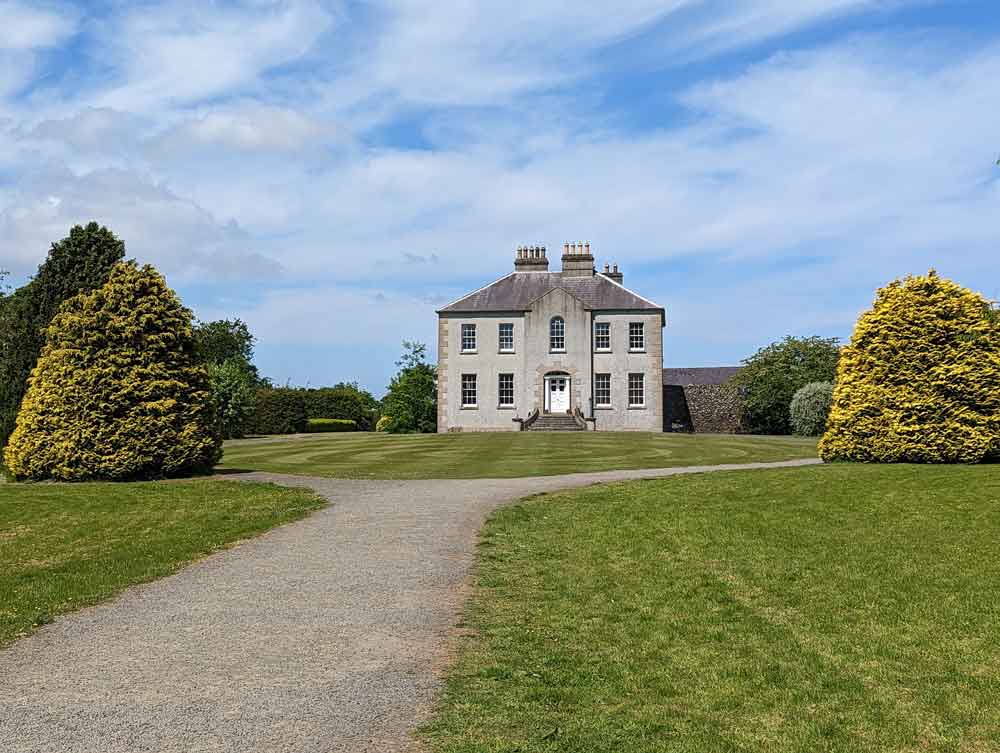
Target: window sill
(470,352)
(470,407)
(602,350)
(506,407)
(637,407)
(636,350)
(604,407)
(506,352)
(557,351)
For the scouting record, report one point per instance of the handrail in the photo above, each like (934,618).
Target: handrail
(532,417)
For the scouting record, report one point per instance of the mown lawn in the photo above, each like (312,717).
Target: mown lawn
(499,455)
(833,608)
(64,546)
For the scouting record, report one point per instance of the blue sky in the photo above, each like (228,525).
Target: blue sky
(333,172)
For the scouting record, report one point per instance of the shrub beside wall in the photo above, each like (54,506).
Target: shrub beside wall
(279,410)
(324,425)
(810,408)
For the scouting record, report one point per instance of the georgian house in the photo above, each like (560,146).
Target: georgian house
(572,349)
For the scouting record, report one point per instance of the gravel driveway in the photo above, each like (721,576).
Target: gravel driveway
(323,635)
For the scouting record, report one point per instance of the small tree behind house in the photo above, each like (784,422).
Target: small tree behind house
(411,403)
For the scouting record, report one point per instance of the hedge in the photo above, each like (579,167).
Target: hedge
(323,425)
(280,410)
(342,401)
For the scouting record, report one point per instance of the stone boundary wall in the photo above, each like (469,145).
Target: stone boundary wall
(710,408)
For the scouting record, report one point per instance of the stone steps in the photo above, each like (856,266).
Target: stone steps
(555,422)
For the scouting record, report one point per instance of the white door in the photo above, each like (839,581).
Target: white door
(558,394)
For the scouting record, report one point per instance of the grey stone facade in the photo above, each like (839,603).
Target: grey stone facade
(535,373)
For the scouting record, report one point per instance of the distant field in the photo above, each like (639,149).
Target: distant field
(844,609)
(499,455)
(64,546)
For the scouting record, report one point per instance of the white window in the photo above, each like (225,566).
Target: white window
(636,336)
(505,390)
(468,337)
(506,337)
(602,336)
(469,398)
(602,389)
(636,390)
(557,334)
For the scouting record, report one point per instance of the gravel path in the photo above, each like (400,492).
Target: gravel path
(323,635)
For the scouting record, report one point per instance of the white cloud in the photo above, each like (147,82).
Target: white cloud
(27,27)
(25,31)
(249,128)
(291,140)
(158,226)
(187,52)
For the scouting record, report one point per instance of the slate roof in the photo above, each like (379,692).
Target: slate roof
(705,375)
(519,290)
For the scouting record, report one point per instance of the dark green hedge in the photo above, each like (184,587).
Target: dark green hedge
(321,425)
(279,411)
(342,401)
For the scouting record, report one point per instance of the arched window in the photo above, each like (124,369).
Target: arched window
(557,334)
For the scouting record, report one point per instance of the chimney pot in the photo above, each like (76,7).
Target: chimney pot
(588,248)
(616,268)
(607,268)
(565,248)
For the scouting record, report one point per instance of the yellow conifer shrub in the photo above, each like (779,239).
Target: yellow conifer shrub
(117,392)
(920,380)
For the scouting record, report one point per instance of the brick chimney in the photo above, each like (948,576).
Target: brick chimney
(577,261)
(531,259)
(613,274)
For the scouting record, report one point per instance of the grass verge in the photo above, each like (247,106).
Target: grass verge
(65,546)
(500,455)
(835,608)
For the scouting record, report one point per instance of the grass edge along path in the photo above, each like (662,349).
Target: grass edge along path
(68,546)
(500,454)
(829,608)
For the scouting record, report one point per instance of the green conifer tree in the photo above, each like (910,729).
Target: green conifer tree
(78,263)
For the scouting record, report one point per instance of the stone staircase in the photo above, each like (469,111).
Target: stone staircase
(555,422)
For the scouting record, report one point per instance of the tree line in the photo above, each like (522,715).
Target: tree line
(105,374)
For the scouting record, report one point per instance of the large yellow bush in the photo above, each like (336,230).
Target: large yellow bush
(920,380)
(118,392)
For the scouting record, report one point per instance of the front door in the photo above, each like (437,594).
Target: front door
(558,394)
